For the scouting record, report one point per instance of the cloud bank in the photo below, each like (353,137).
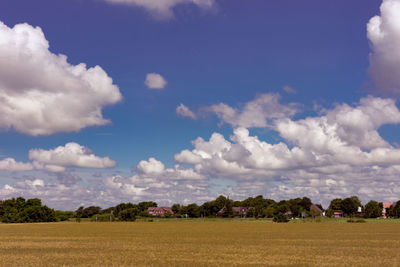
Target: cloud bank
(41,93)
(337,153)
(163,9)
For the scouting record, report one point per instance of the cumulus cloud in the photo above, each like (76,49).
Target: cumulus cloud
(70,155)
(155,81)
(9,164)
(346,136)
(41,93)
(152,166)
(384,35)
(154,181)
(259,112)
(163,9)
(331,155)
(184,111)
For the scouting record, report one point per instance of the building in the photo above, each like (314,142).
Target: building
(159,211)
(315,210)
(386,206)
(338,214)
(241,211)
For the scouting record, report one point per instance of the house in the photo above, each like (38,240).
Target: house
(241,211)
(159,211)
(338,214)
(315,210)
(386,206)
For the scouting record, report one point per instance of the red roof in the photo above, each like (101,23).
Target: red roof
(387,205)
(159,211)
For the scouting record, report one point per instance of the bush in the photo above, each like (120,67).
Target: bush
(280,218)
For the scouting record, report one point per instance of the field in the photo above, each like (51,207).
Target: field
(200,243)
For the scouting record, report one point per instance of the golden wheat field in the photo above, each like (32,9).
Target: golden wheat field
(200,243)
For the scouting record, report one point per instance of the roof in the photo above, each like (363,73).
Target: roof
(235,209)
(160,209)
(338,212)
(387,205)
(315,208)
(240,209)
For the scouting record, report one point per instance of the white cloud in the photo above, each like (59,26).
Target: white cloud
(184,111)
(288,89)
(256,113)
(59,196)
(332,155)
(337,153)
(384,34)
(155,81)
(9,164)
(41,93)
(155,182)
(344,130)
(70,155)
(152,166)
(163,9)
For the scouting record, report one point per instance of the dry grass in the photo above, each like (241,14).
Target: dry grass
(200,243)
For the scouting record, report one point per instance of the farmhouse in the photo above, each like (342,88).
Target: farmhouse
(338,214)
(240,210)
(386,206)
(315,210)
(236,211)
(159,211)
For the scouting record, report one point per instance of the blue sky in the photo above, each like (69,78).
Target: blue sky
(209,52)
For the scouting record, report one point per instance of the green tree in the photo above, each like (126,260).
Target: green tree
(143,206)
(219,202)
(269,212)
(128,214)
(64,215)
(396,211)
(350,205)
(336,204)
(373,209)
(251,212)
(305,203)
(192,210)
(176,208)
(20,210)
(33,202)
(123,206)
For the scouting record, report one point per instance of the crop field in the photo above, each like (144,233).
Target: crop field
(200,243)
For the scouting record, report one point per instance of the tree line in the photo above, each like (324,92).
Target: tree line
(19,210)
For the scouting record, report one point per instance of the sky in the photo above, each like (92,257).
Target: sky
(179,101)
